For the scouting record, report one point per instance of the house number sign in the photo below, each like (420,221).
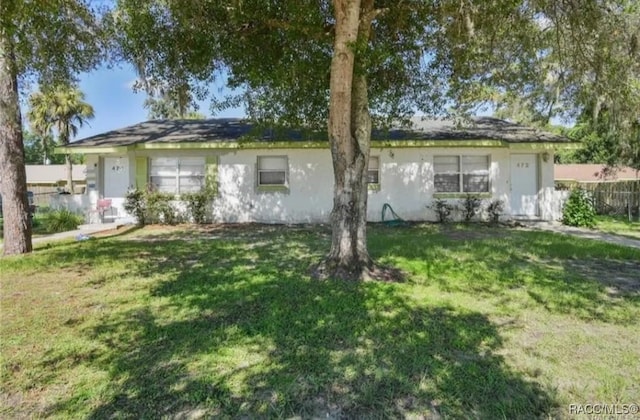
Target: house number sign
(117,168)
(522,165)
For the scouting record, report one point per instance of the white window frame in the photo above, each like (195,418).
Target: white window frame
(176,170)
(461,172)
(284,170)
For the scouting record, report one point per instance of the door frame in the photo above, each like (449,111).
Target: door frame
(537,185)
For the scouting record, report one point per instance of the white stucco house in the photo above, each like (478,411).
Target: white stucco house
(285,176)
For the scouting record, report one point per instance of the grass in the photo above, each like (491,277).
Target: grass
(619,225)
(225,322)
(47,221)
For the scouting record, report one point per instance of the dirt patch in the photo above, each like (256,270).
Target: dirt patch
(620,277)
(226,231)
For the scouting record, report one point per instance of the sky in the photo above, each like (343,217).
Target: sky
(110,92)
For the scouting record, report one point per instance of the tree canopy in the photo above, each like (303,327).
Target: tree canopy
(552,57)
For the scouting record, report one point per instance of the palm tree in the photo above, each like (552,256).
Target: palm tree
(39,120)
(63,109)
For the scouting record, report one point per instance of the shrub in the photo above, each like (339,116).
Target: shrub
(443,210)
(470,206)
(197,206)
(159,208)
(136,204)
(578,210)
(61,221)
(495,209)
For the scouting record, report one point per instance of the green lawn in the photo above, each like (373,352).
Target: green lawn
(225,321)
(619,225)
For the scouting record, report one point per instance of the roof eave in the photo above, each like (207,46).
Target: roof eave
(376,144)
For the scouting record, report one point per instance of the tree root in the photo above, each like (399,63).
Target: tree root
(330,269)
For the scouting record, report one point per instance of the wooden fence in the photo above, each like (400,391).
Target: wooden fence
(613,198)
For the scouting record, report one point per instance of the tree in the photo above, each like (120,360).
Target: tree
(39,151)
(602,143)
(170,103)
(44,41)
(590,74)
(40,123)
(62,108)
(347,64)
(13,178)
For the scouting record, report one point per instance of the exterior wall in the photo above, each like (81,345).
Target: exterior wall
(406,180)
(308,200)
(551,202)
(93,187)
(406,183)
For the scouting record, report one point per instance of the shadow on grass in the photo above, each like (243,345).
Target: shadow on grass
(563,274)
(236,329)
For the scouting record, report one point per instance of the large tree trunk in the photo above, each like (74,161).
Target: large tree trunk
(13,178)
(349,134)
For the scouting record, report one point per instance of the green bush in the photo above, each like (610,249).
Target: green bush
(136,204)
(159,208)
(470,206)
(495,209)
(443,210)
(578,210)
(61,221)
(197,206)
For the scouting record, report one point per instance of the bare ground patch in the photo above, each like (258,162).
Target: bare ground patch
(619,277)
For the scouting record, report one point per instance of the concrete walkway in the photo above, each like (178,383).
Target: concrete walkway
(87,230)
(584,233)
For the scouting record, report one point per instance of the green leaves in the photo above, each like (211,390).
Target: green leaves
(62,107)
(54,40)
(578,210)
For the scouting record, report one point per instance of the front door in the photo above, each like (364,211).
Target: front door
(116,181)
(524,185)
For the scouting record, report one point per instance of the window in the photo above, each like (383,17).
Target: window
(177,175)
(373,173)
(272,171)
(467,174)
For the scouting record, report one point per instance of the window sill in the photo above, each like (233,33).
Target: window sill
(272,188)
(461,195)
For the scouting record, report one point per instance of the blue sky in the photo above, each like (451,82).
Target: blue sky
(110,93)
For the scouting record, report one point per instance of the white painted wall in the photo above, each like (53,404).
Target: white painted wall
(310,195)
(551,201)
(406,181)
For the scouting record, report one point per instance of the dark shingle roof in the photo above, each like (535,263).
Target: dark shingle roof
(232,129)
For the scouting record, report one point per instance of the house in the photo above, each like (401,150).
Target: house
(48,178)
(593,173)
(45,181)
(286,176)
(614,190)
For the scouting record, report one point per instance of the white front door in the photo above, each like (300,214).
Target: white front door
(116,181)
(524,185)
